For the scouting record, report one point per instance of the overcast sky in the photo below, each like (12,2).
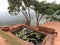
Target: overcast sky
(4,4)
(57,1)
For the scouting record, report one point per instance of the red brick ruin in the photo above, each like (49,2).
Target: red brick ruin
(48,31)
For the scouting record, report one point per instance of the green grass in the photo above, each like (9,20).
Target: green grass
(9,39)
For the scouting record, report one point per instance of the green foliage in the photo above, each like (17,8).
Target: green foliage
(49,11)
(28,3)
(58,13)
(39,8)
(46,8)
(30,36)
(56,19)
(14,6)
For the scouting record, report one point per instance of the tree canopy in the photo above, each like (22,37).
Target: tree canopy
(43,8)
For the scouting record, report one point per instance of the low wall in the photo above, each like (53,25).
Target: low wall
(48,31)
(40,29)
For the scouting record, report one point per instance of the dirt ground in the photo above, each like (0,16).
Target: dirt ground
(56,26)
(2,41)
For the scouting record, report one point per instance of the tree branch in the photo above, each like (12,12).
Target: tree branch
(29,14)
(40,18)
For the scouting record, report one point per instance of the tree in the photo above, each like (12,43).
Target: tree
(48,9)
(41,9)
(52,11)
(15,5)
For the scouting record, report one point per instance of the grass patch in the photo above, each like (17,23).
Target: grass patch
(9,39)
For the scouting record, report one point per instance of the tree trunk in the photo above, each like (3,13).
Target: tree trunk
(37,23)
(27,23)
(26,17)
(29,14)
(37,19)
